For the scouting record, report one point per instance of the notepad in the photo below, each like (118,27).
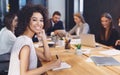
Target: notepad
(105,61)
(63,65)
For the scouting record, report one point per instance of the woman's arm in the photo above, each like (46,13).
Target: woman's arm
(45,55)
(73,30)
(24,57)
(85,28)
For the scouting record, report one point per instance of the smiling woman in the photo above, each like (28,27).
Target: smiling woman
(31,20)
(108,35)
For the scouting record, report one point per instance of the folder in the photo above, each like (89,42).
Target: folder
(105,61)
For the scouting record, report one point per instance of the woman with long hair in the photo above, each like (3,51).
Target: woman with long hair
(108,35)
(81,26)
(7,37)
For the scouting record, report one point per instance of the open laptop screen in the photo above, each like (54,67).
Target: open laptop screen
(88,40)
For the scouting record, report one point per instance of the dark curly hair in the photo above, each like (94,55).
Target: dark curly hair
(26,13)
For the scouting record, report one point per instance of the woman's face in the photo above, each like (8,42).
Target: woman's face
(36,22)
(105,22)
(77,19)
(14,22)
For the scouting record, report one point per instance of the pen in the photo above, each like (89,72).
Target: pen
(57,56)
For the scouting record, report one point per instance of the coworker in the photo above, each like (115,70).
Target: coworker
(55,25)
(117,44)
(81,26)
(23,61)
(7,37)
(108,35)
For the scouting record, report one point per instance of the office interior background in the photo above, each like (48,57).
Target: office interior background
(91,10)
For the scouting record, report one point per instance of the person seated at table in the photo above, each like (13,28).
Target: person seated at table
(23,61)
(81,26)
(56,25)
(117,44)
(107,35)
(7,37)
(119,21)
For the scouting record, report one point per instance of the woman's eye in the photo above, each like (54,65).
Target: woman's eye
(41,20)
(34,20)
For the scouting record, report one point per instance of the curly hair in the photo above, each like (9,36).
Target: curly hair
(26,13)
(8,19)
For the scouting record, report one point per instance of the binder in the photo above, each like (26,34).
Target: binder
(105,61)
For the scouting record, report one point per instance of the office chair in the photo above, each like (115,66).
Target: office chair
(4,63)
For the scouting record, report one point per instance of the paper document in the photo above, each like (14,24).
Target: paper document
(75,41)
(63,65)
(110,52)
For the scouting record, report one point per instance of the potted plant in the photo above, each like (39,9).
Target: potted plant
(78,49)
(78,46)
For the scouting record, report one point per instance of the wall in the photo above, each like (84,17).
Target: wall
(94,8)
(78,6)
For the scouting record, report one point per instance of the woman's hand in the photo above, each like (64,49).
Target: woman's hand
(54,64)
(42,34)
(117,42)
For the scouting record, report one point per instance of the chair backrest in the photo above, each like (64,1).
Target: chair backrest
(4,62)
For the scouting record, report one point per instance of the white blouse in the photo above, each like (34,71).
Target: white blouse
(7,39)
(14,66)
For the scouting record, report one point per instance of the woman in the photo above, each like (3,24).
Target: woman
(81,26)
(119,21)
(108,35)
(7,37)
(23,60)
(117,44)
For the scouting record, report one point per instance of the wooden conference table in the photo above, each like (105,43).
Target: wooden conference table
(79,63)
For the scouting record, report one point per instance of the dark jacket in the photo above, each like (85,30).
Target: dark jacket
(114,35)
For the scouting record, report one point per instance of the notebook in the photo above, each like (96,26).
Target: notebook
(63,65)
(88,40)
(105,61)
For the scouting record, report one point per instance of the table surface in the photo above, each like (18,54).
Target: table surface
(79,63)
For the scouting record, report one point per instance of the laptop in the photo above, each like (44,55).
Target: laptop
(88,40)
(105,61)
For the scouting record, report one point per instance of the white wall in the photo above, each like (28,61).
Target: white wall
(57,5)
(76,6)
